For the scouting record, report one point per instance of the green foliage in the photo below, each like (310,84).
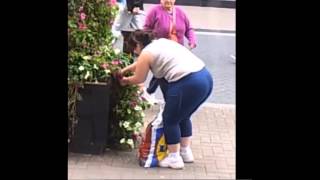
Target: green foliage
(91,58)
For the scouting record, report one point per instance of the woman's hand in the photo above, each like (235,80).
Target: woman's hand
(191,46)
(118,75)
(124,81)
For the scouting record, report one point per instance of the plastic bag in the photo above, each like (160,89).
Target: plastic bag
(153,147)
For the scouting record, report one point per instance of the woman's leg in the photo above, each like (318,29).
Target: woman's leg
(182,100)
(171,128)
(195,90)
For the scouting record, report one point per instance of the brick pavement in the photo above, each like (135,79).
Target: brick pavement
(213,146)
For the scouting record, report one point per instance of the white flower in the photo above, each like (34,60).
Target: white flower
(126,124)
(116,51)
(87,75)
(130,142)
(128,111)
(122,140)
(86,57)
(138,108)
(81,68)
(95,66)
(107,71)
(120,123)
(142,114)
(138,124)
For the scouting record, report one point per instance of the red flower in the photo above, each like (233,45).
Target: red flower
(82,26)
(134,137)
(133,104)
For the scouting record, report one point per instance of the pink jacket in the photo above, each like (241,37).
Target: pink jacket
(158,20)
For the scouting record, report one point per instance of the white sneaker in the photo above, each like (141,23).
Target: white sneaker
(186,154)
(172,162)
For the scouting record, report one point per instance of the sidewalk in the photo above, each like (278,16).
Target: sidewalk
(213,147)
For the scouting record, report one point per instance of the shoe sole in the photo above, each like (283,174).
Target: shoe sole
(171,167)
(188,161)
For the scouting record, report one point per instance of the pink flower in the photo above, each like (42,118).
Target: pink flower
(115,62)
(104,65)
(82,26)
(112,2)
(143,98)
(82,16)
(81,9)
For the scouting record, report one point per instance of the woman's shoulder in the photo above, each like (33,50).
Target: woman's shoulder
(180,12)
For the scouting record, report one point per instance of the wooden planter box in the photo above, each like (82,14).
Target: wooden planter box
(93,112)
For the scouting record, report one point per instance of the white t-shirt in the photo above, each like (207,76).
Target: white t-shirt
(172,60)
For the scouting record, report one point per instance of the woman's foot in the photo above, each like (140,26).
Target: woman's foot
(173,160)
(186,154)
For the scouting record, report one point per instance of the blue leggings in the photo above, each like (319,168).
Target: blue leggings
(182,99)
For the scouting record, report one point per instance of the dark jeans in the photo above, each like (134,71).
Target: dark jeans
(182,99)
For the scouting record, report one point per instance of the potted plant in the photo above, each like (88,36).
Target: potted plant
(98,108)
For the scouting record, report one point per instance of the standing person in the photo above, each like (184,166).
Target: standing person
(184,82)
(131,16)
(168,21)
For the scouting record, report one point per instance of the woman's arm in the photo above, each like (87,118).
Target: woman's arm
(141,70)
(149,21)
(189,32)
(131,68)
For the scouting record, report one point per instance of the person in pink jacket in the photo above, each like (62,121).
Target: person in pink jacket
(165,18)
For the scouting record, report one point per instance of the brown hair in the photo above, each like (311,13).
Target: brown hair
(140,37)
